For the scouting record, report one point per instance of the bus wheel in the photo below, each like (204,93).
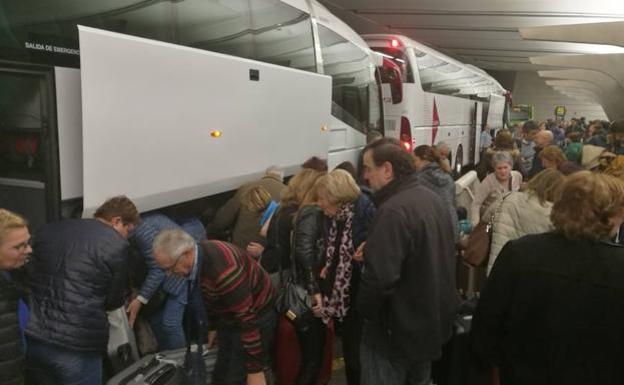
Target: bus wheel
(459,160)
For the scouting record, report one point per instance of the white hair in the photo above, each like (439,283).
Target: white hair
(275,171)
(173,243)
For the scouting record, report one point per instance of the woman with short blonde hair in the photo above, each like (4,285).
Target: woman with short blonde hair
(348,214)
(10,221)
(552,308)
(14,251)
(338,186)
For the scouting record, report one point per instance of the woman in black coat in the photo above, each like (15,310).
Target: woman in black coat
(552,311)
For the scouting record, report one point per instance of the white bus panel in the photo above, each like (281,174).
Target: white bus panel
(149,109)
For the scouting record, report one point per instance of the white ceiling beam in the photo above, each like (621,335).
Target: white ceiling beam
(609,64)
(613,101)
(592,33)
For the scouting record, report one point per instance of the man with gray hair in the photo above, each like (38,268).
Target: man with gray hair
(238,296)
(542,140)
(245,224)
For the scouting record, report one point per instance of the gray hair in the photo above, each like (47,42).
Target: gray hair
(275,171)
(173,243)
(501,156)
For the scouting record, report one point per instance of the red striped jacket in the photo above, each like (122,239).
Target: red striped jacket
(236,290)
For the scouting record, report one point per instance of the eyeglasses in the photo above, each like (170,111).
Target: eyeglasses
(23,246)
(170,269)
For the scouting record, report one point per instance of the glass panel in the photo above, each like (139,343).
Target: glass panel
(355,94)
(442,77)
(22,126)
(266,30)
(400,59)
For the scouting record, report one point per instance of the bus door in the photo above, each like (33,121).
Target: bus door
(29,183)
(475,133)
(392,95)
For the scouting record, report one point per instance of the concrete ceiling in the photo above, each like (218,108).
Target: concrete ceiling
(482,32)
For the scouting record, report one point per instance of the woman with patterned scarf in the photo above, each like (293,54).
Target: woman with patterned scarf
(349,213)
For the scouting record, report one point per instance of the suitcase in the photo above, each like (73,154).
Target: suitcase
(288,354)
(470,279)
(457,366)
(162,369)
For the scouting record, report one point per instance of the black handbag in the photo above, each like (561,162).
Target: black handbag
(294,302)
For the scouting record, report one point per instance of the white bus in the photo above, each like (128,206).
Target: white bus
(265,96)
(433,98)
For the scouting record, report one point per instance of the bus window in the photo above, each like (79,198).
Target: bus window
(265,30)
(390,73)
(355,94)
(22,125)
(444,77)
(397,56)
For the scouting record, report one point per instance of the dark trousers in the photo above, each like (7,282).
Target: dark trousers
(231,356)
(48,364)
(350,329)
(312,344)
(378,366)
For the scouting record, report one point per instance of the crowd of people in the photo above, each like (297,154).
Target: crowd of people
(367,257)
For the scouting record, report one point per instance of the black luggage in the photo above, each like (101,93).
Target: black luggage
(163,368)
(458,365)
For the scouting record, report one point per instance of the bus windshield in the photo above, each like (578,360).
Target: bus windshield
(398,57)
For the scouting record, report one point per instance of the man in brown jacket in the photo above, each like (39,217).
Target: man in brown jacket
(245,224)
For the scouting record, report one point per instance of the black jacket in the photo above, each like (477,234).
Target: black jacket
(79,268)
(277,250)
(308,247)
(552,312)
(11,356)
(408,282)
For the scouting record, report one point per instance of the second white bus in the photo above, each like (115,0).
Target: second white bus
(431,98)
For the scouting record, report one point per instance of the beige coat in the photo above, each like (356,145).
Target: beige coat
(489,190)
(521,214)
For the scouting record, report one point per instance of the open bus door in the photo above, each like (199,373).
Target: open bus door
(392,93)
(475,133)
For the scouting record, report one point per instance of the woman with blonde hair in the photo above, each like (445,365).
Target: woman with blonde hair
(295,232)
(14,252)
(552,308)
(525,212)
(349,214)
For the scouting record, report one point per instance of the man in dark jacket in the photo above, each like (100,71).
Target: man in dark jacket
(407,290)
(14,252)
(79,271)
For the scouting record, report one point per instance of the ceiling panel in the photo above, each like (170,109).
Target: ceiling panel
(484,33)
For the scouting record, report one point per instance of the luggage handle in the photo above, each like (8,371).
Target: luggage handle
(141,372)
